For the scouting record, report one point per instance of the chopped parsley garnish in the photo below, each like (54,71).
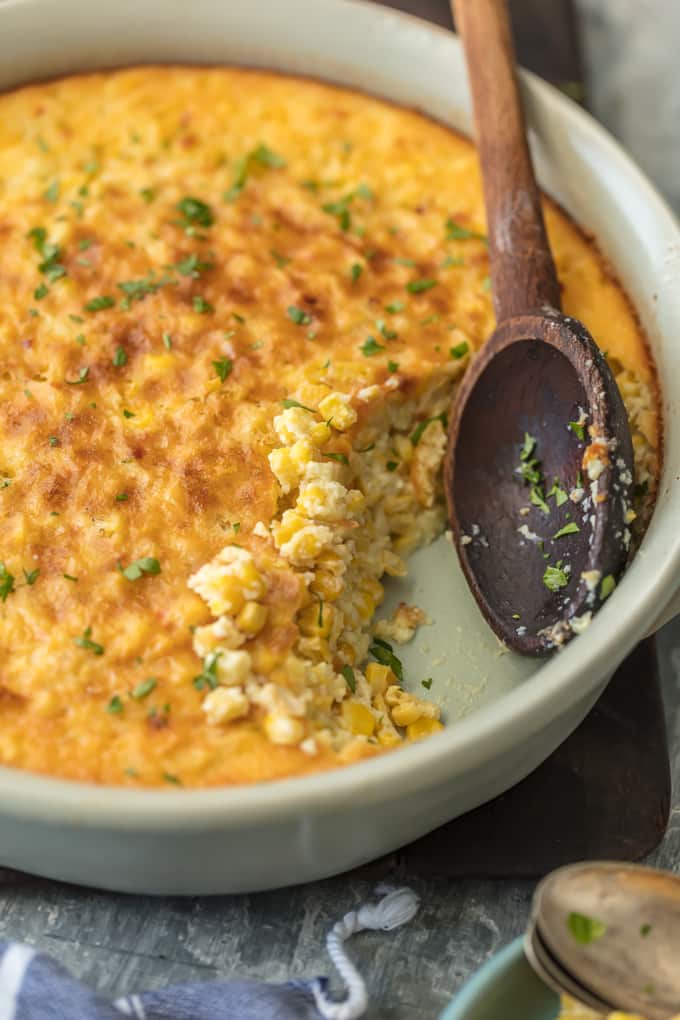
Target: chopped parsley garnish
(356,271)
(569,529)
(173,780)
(281,260)
(208,675)
(85,244)
(645,930)
(392,366)
(54,441)
(239,318)
(98,304)
(394,307)
(528,447)
(350,679)
(5,483)
(289,402)
(382,652)
(194,211)
(83,376)
(85,641)
(128,414)
(419,286)
(223,368)
(417,433)
(537,498)
(340,457)
(6,583)
(192,266)
(453,260)
(340,209)
(298,316)
(201,306)
(136,290)
(167,341)
(404,262)
(115,705)
(559,493)
(427,684)
(585,929)
(555,578)
(76,318)
(148,194)
(52,193)
(144,688)
(371,347)
(70,577)
(41,291)
(236,526)
(122,497)
(262,155)
(607,586)
(392,465)
(389,334)
(457,232)
(146,565)
(120,357)
(578,428)
(460,350)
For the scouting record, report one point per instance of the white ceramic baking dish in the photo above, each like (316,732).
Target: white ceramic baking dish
(505,715)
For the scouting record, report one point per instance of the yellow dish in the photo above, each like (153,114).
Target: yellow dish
(235,306)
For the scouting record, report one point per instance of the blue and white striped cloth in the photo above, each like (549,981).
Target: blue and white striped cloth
(35,987)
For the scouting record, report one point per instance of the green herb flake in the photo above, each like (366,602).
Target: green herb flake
(147,565)
(457,232)
(280,260)
(350,679)
(537,498)
(122,497)
(70,577)
(262,155)
(223,368)
(120,357)
(194,211)
(645,929)
(395,307)
(54,441)
(98,304)
(569,529)
(298,316)
(52,193)
(128,414)
(460,350)
(528,447)
(356,271)
(115,705)
(382,652)
(289,402)
(418,431)
(578,429)
(607,586)
(6,583)
(201,306)
(83,376)
(453,260)
(208,675)
(559,493)
(392,366)
(144,688)
(173,780)
(420,286)
(148,194)
(427,684)
(555,578)
(341,458)
(371,347)
(388,334)
(392,465)
(167,341)
(85,641)
(41,291)
(585,929)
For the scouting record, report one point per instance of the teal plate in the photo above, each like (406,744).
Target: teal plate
(505,988)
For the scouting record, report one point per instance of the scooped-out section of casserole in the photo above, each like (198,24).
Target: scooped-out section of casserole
(234,310)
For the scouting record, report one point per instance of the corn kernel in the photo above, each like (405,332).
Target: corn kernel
(336,407)
(316,618)
(320,433)
(406,713)
(358,719)
(233,667)
(327,585)
(224,704)
(291,522)
(252,618)
(315,648)
(252,580)
(423,728)
(379,677)
(347,652)
(283,729)
(388,737)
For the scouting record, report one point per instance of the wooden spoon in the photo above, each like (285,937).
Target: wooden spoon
(608,934)
(539,508)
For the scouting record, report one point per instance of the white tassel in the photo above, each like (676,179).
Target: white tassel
(398,907)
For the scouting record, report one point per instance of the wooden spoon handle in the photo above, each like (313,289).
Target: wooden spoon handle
(522,269)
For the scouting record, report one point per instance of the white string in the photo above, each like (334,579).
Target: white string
(398,907)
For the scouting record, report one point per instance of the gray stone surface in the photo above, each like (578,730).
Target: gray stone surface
(122,943)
